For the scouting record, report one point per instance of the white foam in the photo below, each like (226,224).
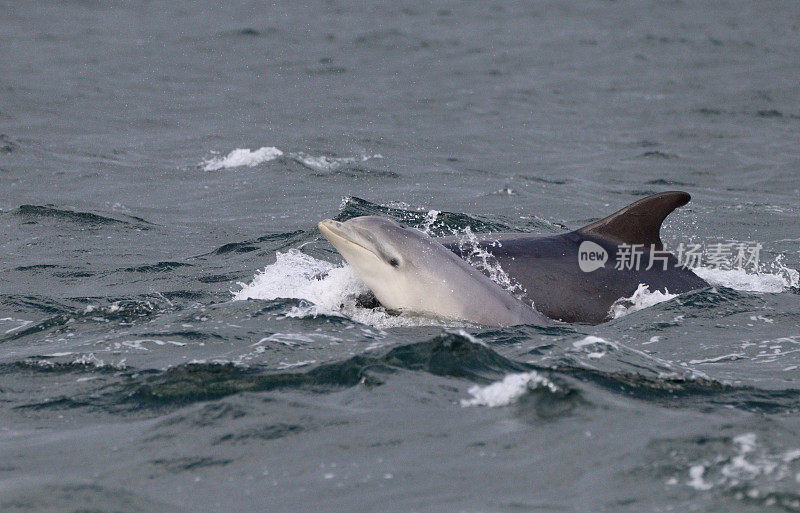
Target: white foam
(325,288)
(139,343)
(640,299)
(739,466)
(242,157)
(91,360)
(737,279)
(746,464)
(291,365)
(468,336)
(696,480)
(245,157)
(740,279)
(430,219)
(726,357)
(325,163)
(295,275)
(790,455)
(23,324)
(591,340)
(512,387)
(596,347)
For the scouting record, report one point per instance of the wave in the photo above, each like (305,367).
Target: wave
(123,311)
(758,470)
(640,299)
(508,390)
(781,280)
(435,223)
(159,267)
(497,381)
(272,241)
(35,212)
(67,495)
(241,157)
(546,390)
(449,354)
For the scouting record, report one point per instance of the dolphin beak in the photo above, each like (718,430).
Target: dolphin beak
(337,233)
(329,227)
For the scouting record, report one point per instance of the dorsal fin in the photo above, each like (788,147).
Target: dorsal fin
(639,222)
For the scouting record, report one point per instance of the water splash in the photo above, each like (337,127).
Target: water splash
(772,278)
(241,157)
(641,298)
(326,163)
(508,390)
(482,259)
(751,471)
(324,289)
(781,279)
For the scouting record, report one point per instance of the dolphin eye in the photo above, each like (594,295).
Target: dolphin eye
(394,263)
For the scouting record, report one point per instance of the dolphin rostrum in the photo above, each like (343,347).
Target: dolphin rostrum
(411,272)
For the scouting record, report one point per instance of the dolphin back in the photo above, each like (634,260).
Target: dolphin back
(548,269)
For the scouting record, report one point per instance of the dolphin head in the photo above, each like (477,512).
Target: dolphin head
(409,271)
(391,259)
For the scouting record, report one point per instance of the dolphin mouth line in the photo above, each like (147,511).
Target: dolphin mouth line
(328,227)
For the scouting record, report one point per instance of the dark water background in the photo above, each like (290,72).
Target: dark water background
(131,379)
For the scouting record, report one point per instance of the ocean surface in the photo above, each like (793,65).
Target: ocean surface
(176,335)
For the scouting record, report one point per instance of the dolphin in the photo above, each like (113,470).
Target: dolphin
(409,271)
(572,277)
(579,275)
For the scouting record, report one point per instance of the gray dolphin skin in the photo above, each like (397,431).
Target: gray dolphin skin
(427,279)
(409,271)
(548,269)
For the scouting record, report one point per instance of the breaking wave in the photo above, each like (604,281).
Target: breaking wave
(508,390)
(781,279)
(241,157)
(642,298)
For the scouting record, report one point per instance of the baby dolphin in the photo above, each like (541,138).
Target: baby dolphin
(410,272)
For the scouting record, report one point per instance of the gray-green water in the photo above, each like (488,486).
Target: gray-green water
(134,376)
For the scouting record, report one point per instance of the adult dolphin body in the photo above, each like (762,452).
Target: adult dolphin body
(549,268)
(573,277)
